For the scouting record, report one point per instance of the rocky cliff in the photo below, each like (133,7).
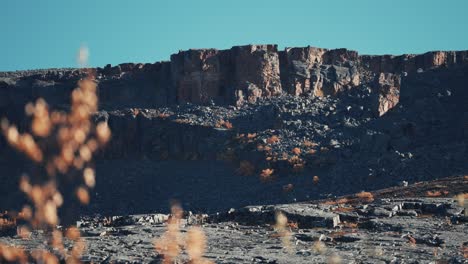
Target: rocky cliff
(357,121)
(240,74)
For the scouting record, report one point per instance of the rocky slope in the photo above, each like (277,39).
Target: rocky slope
(355,121)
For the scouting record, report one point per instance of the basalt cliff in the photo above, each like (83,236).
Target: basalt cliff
(232,77)
(191,127)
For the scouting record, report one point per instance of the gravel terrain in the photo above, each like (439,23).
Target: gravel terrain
(396,225)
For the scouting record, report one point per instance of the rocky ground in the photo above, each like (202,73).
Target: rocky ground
(419,223)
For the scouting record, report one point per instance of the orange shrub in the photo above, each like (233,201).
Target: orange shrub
(366,196)
(224,124)
(309,144)
(273,139)
(296,151)
(266,173)
(436,193)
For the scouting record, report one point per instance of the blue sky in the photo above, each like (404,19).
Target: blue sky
(48,33)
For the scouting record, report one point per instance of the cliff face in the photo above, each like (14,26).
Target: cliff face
(357,121)
(235,76)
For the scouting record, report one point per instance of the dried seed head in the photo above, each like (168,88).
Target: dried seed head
(27,145)
(82,56)
(73,233)
(461,199)
(334,259)
(92,145)
(29,109)
(58,199)
(319,247)
(196,243)
(4,124)
(103,132)
(83,195)
(50,213)
(12,135)
(281,220)
(85,153)
(89,177)
(24,185)
(79,136)
(78,163)
(26,212)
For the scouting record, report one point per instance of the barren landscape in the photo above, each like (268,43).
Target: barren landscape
(365,156)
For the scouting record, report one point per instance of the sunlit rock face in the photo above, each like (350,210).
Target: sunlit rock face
(236,76)
(362,121)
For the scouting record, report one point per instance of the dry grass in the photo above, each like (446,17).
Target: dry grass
(461,198)
(343,209)
(436,193)
(12,254)
(63,144)
(365,196)
(282,231)
(196,246)
(319,247)
(171,243)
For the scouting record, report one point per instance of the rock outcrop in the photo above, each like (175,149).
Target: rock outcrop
(231,77)
(356,121)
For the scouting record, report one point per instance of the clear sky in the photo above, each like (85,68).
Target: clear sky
(48,33)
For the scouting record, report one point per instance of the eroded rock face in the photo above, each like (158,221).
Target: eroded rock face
(388,87)
(236,76)
(200,75)
(319,72)
(259,65)
(232,76)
